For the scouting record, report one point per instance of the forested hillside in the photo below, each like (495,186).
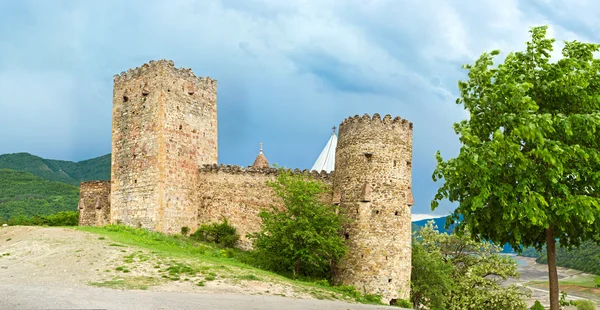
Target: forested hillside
(24,194)
(586,258)
(59,170)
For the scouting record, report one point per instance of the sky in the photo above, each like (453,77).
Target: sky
(287,71)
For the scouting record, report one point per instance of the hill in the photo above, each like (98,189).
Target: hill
(24,194)
(586,258)
(440,222)
(59,170)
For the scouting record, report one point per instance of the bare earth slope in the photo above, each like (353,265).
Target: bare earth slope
(42,268)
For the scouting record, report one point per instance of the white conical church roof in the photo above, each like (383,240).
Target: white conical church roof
(326,160)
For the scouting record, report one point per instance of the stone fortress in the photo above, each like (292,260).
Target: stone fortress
(165,175)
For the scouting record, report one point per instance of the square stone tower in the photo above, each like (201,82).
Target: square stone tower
(164,128)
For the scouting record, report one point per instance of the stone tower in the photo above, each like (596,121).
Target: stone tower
(164,128)
(373,184)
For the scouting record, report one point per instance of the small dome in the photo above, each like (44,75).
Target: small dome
(261,161)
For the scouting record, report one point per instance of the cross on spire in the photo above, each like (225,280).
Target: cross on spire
(334,128)
(261,144)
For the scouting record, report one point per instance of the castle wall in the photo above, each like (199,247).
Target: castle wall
(373,179)
(94,203)
(239,194)
(164,128)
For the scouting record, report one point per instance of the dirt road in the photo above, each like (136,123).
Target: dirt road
(56,297)
(53,268)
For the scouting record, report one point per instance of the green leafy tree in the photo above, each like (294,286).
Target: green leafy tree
(430,279)
(305,235)
(477,270)
(528,171)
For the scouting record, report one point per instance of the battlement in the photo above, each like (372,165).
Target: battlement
(377,120)
(161,67)
(95,184)
(235,169)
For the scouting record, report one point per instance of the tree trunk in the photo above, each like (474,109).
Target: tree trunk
(296,269)
(552,274)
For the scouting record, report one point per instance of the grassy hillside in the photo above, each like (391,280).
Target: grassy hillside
(59,170)
(24,194)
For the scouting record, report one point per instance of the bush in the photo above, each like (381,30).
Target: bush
(221,234)
(185,230)
(537,306)
(65,218)
(585,305)
(402,303)
(305,235)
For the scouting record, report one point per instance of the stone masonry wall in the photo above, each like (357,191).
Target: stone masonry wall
(373,181)
(239,194)
(164,128)
(94,203)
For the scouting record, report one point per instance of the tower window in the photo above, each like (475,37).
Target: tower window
(346,236)
(396,213)
(394,163)
(125,98)
(180,127)
(369,156)
(408,163)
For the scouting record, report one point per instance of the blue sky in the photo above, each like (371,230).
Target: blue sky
(287,71)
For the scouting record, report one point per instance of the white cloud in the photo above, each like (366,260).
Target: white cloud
(419,217)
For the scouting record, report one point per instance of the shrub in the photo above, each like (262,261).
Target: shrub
(402,303)
(305,235)
(185,230)
(222,234)
(537,306)
(65,218)
(585,305)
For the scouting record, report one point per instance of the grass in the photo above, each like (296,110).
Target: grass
(587,281)
(132,283)
(249,277)
(204,258)
(583,281)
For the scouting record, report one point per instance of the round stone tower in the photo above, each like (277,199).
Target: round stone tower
(373,182)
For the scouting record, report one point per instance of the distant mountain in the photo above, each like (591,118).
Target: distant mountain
(440,222)
(24,194)
(59,170)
